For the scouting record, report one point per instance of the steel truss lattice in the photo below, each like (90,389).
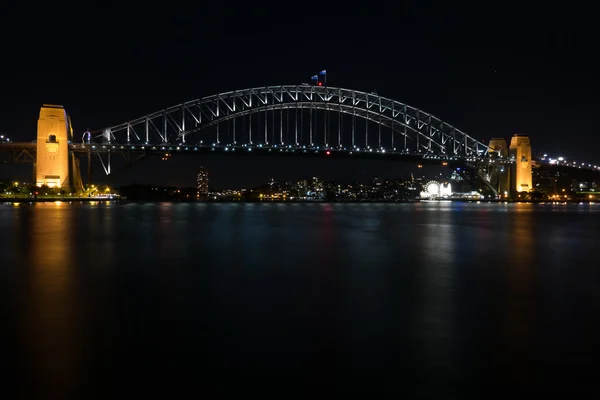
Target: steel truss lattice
(410,129)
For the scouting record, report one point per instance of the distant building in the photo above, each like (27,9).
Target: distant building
(202,182)
(317,184)
(436,190)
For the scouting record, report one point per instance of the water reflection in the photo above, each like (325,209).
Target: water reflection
(327,298)
(519,307)
(433,297)
(435,313)
(51,316)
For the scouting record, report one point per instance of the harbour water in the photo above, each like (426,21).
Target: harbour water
(425,299)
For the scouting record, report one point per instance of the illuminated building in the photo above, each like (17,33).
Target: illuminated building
(455,177)
(202,182)
(302,186)
(52,158)
(521,173)
(436,190)
(317,184)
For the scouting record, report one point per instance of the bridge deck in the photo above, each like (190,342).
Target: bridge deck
(258,149)
(18,146)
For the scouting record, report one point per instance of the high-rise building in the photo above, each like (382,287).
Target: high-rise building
(202,182)
(521,174)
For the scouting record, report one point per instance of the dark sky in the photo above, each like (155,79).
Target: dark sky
(492,69)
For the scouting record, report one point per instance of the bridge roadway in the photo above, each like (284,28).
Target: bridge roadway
(25,151)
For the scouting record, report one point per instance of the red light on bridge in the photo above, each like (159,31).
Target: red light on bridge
(320,84)
(328,152)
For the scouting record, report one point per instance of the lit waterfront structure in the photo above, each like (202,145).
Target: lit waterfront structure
(52,159)
(436,190)
(521,171)
(202,182)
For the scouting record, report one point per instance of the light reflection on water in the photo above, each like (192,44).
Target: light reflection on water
(430,298)
(51,325)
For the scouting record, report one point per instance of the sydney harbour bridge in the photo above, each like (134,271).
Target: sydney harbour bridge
(301,120)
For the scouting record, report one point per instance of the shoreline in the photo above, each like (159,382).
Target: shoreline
(125,201)
(52,199)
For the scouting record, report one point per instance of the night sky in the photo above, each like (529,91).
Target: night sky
(492,70)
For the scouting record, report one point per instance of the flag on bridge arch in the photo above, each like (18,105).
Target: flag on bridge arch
(324,73)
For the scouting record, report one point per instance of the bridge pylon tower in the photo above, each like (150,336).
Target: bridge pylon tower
(521,171)
(55,166)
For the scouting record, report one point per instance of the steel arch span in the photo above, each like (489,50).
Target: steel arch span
(299,116)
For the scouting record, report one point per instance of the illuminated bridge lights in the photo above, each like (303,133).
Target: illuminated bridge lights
(326,149)
(402,130)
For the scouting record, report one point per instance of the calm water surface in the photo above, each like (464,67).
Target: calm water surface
(436,299)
